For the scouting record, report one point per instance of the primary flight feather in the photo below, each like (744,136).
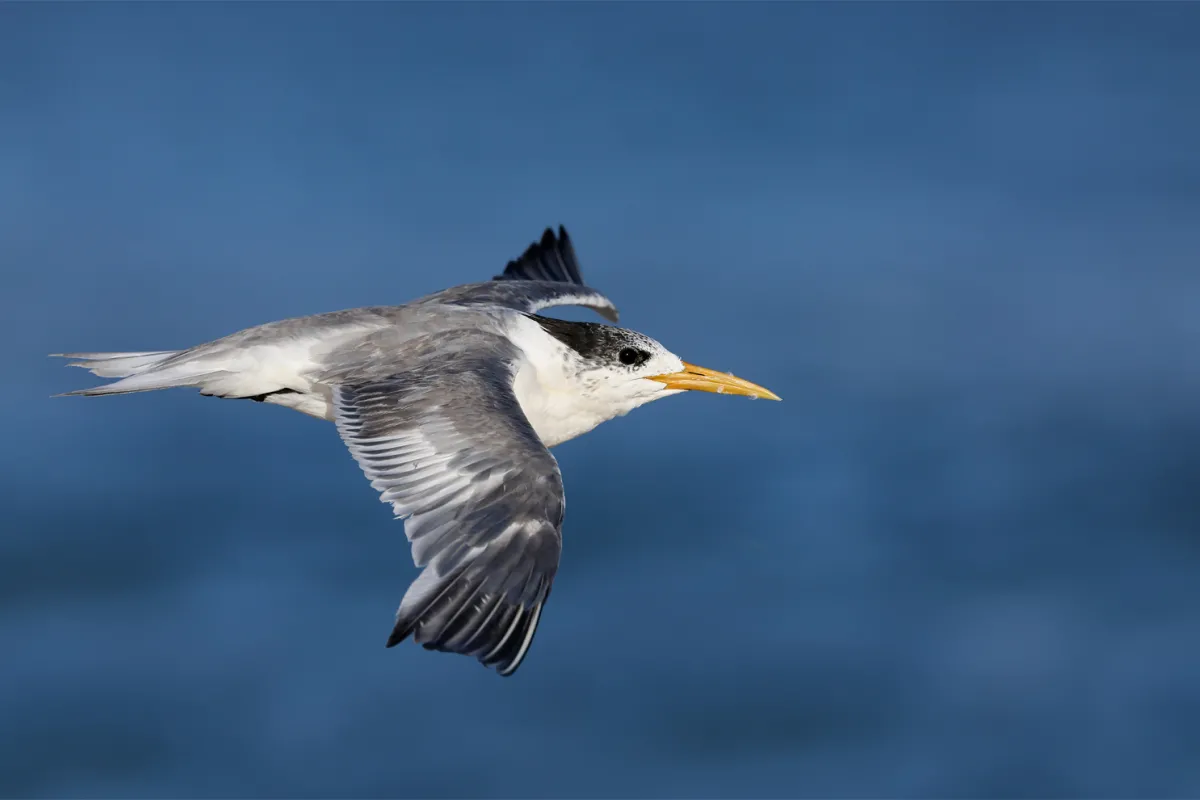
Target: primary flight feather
(449,405)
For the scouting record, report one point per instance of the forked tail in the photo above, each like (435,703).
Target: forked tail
(139,372)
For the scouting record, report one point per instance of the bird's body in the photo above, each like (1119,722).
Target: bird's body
(449,404)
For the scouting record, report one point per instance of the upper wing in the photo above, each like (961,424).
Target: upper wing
(547,274)
(446,443)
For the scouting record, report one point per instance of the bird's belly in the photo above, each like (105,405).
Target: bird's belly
(315,405)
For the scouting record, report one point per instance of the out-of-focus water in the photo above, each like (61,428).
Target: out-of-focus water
(961,241)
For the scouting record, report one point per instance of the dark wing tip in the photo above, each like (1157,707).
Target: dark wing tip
(550,259)
(469,617)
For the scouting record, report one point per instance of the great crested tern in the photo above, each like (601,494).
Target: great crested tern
(449,405)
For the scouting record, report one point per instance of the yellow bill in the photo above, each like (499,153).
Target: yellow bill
(709,380)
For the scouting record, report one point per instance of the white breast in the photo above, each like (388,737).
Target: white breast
(556,415)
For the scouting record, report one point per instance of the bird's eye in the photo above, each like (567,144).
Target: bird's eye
(630,356)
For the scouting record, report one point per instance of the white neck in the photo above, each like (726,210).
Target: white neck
(557,400)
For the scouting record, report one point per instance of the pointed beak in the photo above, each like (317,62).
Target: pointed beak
(708,380)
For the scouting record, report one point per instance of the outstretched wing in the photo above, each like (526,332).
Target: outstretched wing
(446,443)
(546,275)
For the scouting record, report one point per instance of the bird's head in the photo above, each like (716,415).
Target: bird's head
(627,369)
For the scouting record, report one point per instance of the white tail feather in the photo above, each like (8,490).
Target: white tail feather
(139,372)
(117,365)
(148,382)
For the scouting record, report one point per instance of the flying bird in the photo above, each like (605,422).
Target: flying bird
(450,404)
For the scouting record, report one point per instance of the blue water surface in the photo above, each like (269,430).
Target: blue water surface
(961,240)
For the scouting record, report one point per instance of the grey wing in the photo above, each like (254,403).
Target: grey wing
(446,443)
(547,274)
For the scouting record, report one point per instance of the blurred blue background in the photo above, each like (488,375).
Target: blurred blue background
(961,241)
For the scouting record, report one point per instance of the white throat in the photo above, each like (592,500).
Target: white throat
(554,389)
